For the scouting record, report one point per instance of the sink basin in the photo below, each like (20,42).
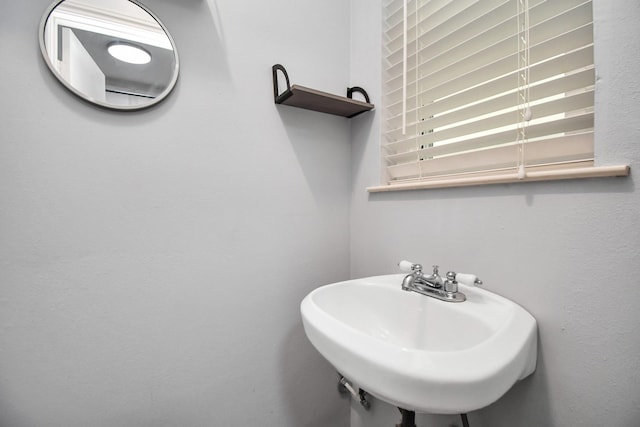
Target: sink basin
(417,352)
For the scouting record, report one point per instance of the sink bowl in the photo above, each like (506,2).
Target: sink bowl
(417,352)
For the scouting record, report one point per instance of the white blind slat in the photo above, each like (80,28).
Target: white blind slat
(431,135)
(576,148)
(564,64)
(427,119)
(502,39)
(407,149)
(462,86)
(481,68)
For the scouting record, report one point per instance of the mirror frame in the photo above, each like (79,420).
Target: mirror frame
(156,100)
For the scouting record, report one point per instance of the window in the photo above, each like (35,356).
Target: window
(489,91)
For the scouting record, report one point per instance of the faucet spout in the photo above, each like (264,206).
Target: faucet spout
(407,282)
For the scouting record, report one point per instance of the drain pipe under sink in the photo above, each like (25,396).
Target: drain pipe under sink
(345,387)
(409,419)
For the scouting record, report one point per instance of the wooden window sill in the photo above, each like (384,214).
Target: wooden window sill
(508,178)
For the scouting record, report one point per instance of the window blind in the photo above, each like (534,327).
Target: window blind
(460,76)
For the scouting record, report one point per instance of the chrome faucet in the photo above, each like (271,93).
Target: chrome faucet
(433,285)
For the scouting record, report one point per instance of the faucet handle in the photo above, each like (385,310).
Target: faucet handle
(408,266)
(451,285)
(468,279)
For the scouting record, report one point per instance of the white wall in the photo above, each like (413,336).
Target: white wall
(152,263)
(568,251)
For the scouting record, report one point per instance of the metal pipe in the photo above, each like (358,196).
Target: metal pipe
(408,418)
(344,387)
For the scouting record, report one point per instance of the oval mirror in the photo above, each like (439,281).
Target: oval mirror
(113,53)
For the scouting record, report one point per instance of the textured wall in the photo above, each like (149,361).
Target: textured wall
(568,251)
(152,263)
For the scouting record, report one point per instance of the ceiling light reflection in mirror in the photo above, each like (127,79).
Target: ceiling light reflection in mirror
(129,53)
(77,40)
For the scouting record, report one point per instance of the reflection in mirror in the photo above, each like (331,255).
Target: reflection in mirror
(114,53)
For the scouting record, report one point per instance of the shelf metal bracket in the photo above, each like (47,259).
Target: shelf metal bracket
(277,96)
(358,89)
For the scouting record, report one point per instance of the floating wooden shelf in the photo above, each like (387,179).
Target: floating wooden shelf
(312,99)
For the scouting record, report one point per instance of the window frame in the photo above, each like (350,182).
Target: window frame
(585,168)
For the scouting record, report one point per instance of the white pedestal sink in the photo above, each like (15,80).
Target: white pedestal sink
(417,352)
